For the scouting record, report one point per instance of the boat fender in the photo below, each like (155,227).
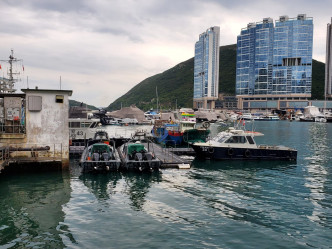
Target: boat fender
(230,152)
(211,150)
(247,153)
(206,125)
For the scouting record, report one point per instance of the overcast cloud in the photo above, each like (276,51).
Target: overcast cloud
(102,48)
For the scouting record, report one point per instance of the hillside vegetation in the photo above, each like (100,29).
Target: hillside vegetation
(76,103)
(175,85)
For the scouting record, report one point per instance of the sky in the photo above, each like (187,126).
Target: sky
(102,48)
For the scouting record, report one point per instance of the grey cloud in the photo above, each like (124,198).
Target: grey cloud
(51,5)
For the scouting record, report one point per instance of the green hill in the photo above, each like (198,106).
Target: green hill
(318,80)
(76,103)
(175,86)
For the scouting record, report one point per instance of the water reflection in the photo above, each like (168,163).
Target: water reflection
(137,187)
(318,175)
(134,184)
(31,209)
(101,185)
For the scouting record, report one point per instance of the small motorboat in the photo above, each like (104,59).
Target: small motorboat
(136,155)
(100,154)
(238,144)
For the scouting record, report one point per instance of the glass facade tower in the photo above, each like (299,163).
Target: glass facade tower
(254,58)
(206,69)
(328,62)
(275,60)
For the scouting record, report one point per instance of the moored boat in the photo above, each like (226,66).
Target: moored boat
(100,154)
(310,113)
(239,144)
(182,131)
(136,155)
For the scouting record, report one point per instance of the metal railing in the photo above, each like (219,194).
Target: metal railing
(13,128)
(167,150)
(50,151)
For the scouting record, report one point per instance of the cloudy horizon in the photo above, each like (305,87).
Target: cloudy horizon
(101,49)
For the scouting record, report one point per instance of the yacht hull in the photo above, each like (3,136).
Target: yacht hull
(229,153)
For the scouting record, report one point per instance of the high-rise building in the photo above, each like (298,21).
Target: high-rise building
(206,69)
(328,62)
(274,63)
(254,58)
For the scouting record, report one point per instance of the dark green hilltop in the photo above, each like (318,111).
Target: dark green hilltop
(76,103)
(175,85)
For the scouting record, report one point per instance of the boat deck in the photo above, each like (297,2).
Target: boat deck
(167,157)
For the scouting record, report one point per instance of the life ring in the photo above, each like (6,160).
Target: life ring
(211,150)
(230,152)
(206,125)
(247,153)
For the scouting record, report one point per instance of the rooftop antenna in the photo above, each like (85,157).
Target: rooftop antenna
(60,82)
(28,82)
(7,85)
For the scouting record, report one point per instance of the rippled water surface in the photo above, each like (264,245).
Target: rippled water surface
(212,205)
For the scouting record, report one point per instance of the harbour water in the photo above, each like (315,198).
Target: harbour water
(212,205)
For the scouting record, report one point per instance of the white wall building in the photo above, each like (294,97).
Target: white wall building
(34,126)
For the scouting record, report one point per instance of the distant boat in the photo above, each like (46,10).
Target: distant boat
(174,133)
(151,115)
(246,116)
(310,113)
(270,117)
(82,128)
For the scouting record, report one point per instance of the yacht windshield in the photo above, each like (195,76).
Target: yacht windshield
(221,137)
(236,140)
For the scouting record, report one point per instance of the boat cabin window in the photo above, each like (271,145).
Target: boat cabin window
(85,124)
(94,125)
(250,140)
(74,124)
(236,140)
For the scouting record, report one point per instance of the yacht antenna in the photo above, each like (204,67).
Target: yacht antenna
(157,98)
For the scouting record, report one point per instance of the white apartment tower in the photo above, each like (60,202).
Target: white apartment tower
(328,62)
(206,69)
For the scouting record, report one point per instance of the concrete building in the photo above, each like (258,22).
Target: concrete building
(328,62)
(206,69)
(34,129)
(274,63)
(226,102)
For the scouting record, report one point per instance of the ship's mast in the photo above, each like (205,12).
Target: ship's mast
(7,85)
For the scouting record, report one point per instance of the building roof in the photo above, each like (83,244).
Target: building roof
(69,92)
(129,112)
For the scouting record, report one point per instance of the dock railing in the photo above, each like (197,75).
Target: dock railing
(4,153)
(32,151)
(167,149)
